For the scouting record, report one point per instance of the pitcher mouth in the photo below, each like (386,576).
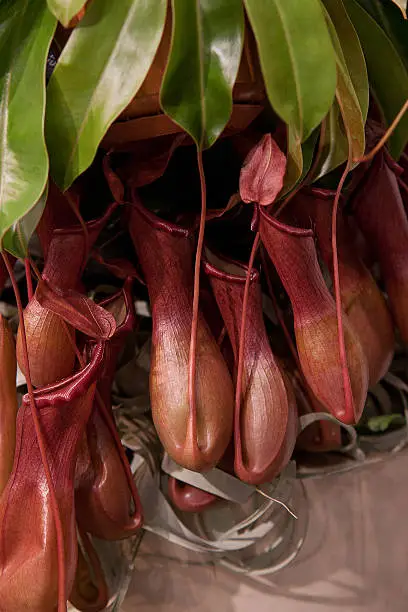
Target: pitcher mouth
(94,224)
(227,269)
(283,227)
(156,222)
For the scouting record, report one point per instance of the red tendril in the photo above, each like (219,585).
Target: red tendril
(192,369)
(29,280)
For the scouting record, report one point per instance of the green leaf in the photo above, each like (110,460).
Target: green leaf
(351,113)
(297,60)
(347,103)
(351,52)
(11,23)
(99,71)
(65,10)
(16,238)
(335,146)
(387,73)
(380,423)
(300,159)
(23,154)
(346,110)
(202,67)
(390,17)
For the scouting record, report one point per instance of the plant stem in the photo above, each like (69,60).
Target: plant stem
(192,369)
(348,394)
(386,136)
(29,280)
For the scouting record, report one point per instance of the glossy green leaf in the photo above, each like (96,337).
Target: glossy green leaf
(203,64)
(99,71)
(11,22)
(16,238)
(346,112)
(299,159)
(297,60)
(390,17)
(386,71)
(65,10)
(23,154)
(351,52)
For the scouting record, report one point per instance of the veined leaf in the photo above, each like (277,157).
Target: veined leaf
(386,71)
(390,17)
(99,71)
(65,10)
(23,154)
(202,67)
(18,236)
(299,159)
(297,60)
(335,150)
(352,53)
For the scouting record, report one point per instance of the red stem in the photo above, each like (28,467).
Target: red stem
(34,268)
(29,280)
(62,595)
(348,394)
(240,365)
(192,368)
(386,136)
